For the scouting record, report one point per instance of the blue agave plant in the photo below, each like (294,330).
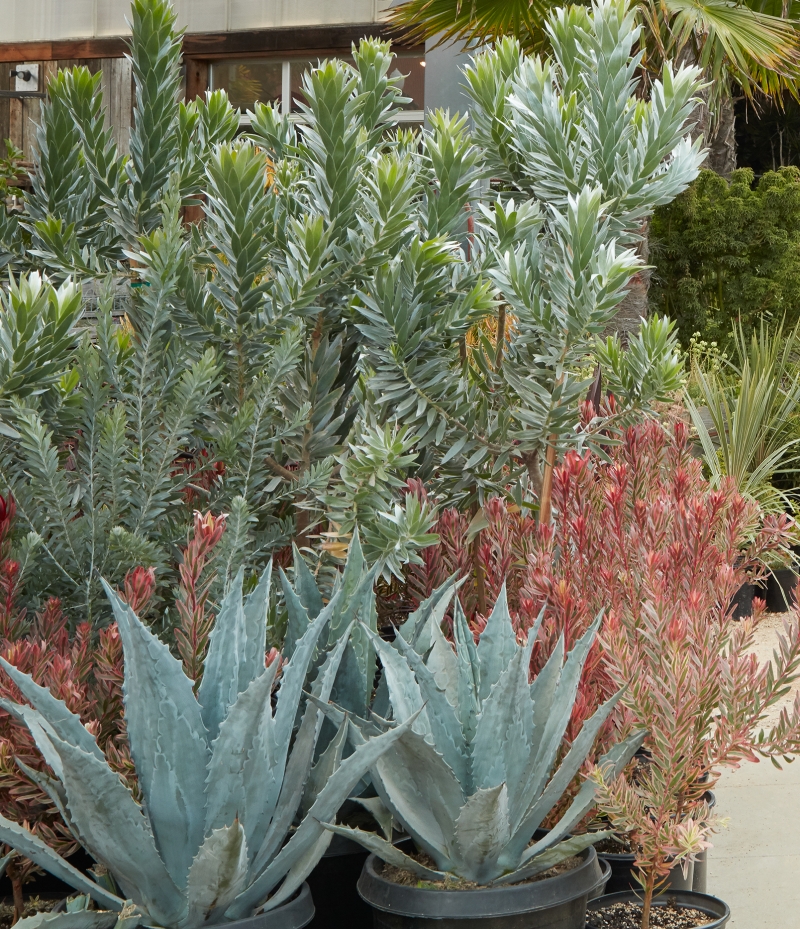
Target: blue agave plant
(474,778)
(221,786)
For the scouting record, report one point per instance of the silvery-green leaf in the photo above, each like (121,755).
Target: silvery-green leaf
(383,817)
(29,845)
(497,644)
(328,801)
(468,673)
(501,745)
(85,919)
(350,689)
(443,663)
(326,764)
(563,701)
(404,691)
(4,861)
(420,790)
(306,586)
(448,737)
(430,612)
(232,749)
(303,864)
(256,619)
(276,812)
(387,852)
(235,652)
(298,616)
(104,810)
(569,767)
(167,738)
(614,761)
(482,831)
(216,877)
(65,723)
(350,585)
(543,689)
(54,790)
(549,858)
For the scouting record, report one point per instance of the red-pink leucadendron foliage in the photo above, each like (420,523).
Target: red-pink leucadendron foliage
(646,539)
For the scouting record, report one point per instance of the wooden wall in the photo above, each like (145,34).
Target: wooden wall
(18,117)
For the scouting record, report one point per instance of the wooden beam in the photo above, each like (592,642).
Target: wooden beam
(207,46)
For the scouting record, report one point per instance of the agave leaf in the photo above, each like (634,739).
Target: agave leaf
(563,701)
(387,852)
(167,738)
(235,652)
(543,690)
(569,767)
(482,831)
(232,749)
(376,808)
(497,644)
(216,877)
(444,723)
(614,761)
(298,617)
(54,790)
(135,862)
(574,845)
(351,582)
(443,663)
(277,811)
(468,673)
(350,689)
(360,642)
(306,586)
(431,611)
(404,691)
(42,732)
(5,861)
(502,740)
(326,764)
(419,788)
(64,722)
(328,801)
(29,845)
(84,919)
(256,618)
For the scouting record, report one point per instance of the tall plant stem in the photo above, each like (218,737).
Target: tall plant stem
(648,898)
(546,500)
(480,577)
(501,337)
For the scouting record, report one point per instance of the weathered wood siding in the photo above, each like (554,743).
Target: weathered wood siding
(18,118)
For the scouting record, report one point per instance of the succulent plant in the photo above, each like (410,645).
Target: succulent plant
(474,778)
(221,777)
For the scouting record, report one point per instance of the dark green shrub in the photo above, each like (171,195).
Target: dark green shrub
(728,250)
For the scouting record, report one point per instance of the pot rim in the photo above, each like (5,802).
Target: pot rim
(706,903)
(504,900)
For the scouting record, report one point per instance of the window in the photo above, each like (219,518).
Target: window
(271,80)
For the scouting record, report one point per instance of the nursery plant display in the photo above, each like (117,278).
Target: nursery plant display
(663,551)
(220,784)
(476,775)
(557,248)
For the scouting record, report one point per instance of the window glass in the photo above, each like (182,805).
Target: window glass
(249,81)
(410,68)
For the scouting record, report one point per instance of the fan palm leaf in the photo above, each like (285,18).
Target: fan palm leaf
(755,44)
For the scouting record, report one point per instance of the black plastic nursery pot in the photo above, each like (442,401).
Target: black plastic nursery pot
(781,592)
(718,911)
(294,914)
(622,869)
(557,902)
(333,887)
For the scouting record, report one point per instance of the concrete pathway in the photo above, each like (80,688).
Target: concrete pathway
(755,862)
